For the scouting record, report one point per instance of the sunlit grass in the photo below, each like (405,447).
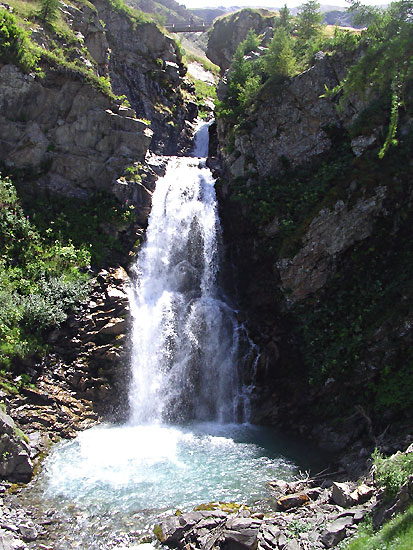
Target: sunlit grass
(395,535)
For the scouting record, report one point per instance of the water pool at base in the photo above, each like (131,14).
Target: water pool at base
(112,483)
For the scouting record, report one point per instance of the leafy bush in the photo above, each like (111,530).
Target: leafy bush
(15,45)
(387,61)
(41,278)
(391,473)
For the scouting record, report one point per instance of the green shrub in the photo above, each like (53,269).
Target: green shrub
(15,45)
(308,20)
(279,62)
(41,278)
(386,66)
(48,10)
(391,473)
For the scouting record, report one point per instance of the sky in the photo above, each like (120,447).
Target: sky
(263,3)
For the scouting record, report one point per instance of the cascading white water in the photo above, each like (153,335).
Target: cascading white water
(185,336)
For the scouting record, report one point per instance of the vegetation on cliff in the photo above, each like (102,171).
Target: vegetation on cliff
(384,65)
(397,534)
(350,333)
(36,36)
(47,250)
(41,277)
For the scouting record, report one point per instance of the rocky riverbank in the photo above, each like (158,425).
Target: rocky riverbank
(81,380)
(308,516)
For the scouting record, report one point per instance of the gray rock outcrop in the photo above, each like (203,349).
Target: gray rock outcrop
(329,234)
(15,462)
(310,524)
(146,66)
(291,127)
(72,136)
(229,31)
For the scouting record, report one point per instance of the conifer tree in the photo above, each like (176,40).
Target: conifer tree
(280,60)
(285,18)
(48,10)
(308,20)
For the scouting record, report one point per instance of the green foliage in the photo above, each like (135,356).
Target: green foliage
(308,20)
(48,10)
(387,61)
(245,78)
(397,534)
(41,278)
(66,52)
(292,195)
(137,17)
(204,94)
(279,62)
(56,60)
(15,45)
(391,473)
(369,296)
(285,20)
(202,60)
(87,224)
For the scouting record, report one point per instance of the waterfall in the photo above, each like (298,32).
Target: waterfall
(186,442)
(185,336)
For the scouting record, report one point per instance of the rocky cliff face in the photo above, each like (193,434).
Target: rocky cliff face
(293,126)
(74,138)
(63,132)
(146,66)
(314,221)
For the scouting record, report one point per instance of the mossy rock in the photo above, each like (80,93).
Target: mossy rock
(228,507)
(158,532)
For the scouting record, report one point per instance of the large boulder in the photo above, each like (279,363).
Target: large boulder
(15,462)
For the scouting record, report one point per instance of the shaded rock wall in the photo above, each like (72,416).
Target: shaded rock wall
(146,66)
(316,272)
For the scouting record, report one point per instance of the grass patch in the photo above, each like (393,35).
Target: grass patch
(191,57)
(397,534)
